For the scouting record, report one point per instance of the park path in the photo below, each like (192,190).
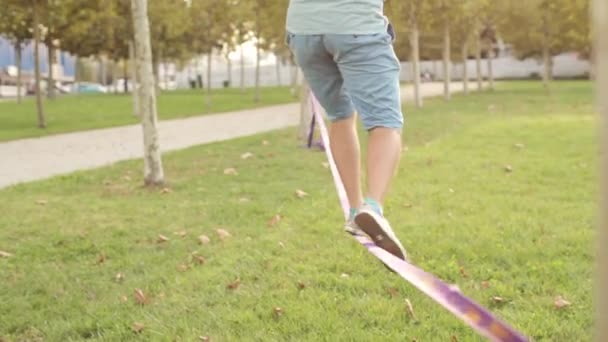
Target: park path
(39,158)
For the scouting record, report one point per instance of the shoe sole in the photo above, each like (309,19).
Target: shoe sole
(372,228)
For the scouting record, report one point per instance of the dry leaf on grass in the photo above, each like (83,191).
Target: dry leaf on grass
(485,284)
(4,254)
(230,171)
(274,220)
(519,145)
(393,292)
(140,297)
(561,303)
(137,327)
(265,143)
(101,258)
(244,200)
(344,275)
(166,191)
(124,299)
(508,168)
(127,178)
(162,238)
(278,312)
(498,300)
(198,259)
(325,165)
(119,277)
(234,285)
(281,244)
(246,155)
(203,239)
(301,285)
(182,268)
(463,273)
(181,233)
(301,194)
(204,338)
(410,308)
(223,234)
(453,339)
(42,202)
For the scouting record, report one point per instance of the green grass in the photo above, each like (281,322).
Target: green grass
(529,233)
(83,112)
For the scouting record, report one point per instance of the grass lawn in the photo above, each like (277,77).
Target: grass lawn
(82,112)
(525,236)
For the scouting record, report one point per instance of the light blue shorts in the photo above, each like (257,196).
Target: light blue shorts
(349,73)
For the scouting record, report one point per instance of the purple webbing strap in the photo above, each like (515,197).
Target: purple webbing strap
(448,296)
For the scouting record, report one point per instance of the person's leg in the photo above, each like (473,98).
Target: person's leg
(383,154)
(370,71)
(327,85)
(347,154)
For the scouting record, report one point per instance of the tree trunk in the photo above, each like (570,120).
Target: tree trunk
(278,70)
(242,69)
(257,54)
(447,63)
(50,80)
(415,46)
(125,76)
(40,108)
(478,61)
(465,67)
(305,112)
(18,51)
(257,73)
(115,76)
(104,70)
(153,167)
(547,68)
(134,80)
(209,82)
(166,74)
(490,67)
(600,16)
(229,66)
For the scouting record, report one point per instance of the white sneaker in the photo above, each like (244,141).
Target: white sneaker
(379,230)
(351,227)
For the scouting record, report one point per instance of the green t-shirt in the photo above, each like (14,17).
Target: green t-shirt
(336,17)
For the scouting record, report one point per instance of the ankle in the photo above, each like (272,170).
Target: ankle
(377,206)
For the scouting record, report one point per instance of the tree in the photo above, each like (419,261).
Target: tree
(55,20)
(268,28)
(153,167)
(415,7)
(463,31)
(170,23)
(600,19)
(209,25)
(36,9)
(16,25)
(552,27)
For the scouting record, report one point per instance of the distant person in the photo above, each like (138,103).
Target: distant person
(345,50)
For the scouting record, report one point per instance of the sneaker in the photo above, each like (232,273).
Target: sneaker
(371,221)
(351,227)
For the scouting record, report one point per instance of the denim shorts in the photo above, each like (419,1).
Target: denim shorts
(352,73)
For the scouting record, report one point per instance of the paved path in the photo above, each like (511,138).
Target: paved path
(38,158)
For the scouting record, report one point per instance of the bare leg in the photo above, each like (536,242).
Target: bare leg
(383,154)
(346,151)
